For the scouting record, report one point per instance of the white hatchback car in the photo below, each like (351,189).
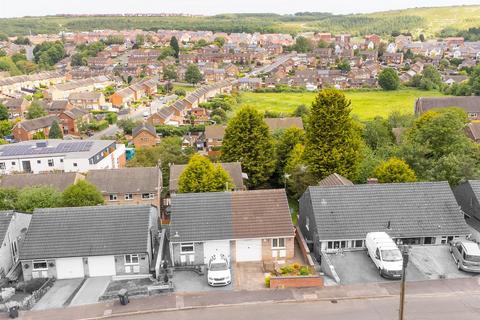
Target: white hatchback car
(218,273)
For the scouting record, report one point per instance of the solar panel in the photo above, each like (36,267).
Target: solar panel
(63,147)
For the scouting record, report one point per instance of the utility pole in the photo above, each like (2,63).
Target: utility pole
(402,285)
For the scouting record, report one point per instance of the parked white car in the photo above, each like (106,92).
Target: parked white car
(218,273)
(466,254)
(385,254)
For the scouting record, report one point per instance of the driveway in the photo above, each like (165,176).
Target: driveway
(356,267)
(91,290)
(189,281)
(249,276)
(58,294)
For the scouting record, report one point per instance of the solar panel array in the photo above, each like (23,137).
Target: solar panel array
(63,147)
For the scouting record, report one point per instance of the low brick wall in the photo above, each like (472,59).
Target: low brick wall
(296,282)
(304,248)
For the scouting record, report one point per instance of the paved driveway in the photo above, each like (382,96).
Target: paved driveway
(249,276)
(189,281)
(91,290)
(58,294)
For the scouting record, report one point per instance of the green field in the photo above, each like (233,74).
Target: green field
(365,104)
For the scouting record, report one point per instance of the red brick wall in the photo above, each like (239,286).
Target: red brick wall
(296,282)
(144,139)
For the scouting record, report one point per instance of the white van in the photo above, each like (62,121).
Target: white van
(385,254)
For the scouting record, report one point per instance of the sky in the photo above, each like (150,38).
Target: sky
(9,8)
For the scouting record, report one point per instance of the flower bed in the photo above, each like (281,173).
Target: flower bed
(293,276)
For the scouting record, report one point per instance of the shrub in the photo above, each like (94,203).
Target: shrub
(304,271)
(296,266)
(267,281)
(286,269)
(32,285)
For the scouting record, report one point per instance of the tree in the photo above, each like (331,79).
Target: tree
(55,131)
(8,198)
(219,41)
(301,111)
(6,127)
(81,194)
(285,142)
(175,46)
(431,79)
(180,92)
(3,112)
(378,133)
(193,74)
(302,45)
(297,178)
(78,60)
(170,72)
(139,40)
(38,197)
(474,81)
(333,143)
(22,41)
(127,125)
(35,111)
(344,65)
(388,79)
(201,175)
(394,170)
(247,140)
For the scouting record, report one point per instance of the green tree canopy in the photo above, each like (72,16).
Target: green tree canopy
(388,79)
(333,142)
(81,194)
(193,74)
(201,175)
(55,131)
(247,140)
(302,45)
(394,170)
(3,112)
(285,142)
(35,111)
(170,72)
(38,197)
(377,133)
(8,198)
(174,45)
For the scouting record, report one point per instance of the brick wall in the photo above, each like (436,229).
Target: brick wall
(137,199)
(143,263)
(267,250)
(296,282)
(144,139)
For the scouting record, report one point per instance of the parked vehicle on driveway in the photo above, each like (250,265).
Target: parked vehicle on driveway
(466,255)
(385,254)
(218,273)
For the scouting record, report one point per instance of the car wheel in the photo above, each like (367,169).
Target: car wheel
(458,265)
(450,249)
(380,272)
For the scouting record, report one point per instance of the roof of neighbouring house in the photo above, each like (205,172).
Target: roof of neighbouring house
(411,210)
(469,104)
(214,132)
(144,127)
(38,123)
(284,123)
(76,113)
(5,218)
(474,129)
(230,215)
(87,231)
(234,170)
(126,180)
(335,180)
(88,95)
(57,180)
(58,105)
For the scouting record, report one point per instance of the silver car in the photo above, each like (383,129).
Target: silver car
(466,254)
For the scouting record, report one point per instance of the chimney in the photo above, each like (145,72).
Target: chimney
(388,225)
(372,181)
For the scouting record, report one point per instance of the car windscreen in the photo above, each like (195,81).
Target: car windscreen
(218,266)
(472,258)
(391,255)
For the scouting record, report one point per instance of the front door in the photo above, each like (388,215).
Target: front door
(26,166)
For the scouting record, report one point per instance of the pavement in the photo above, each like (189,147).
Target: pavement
(90,291)
(58,294)
(460,295)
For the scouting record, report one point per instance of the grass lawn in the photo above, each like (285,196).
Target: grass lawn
(365,104)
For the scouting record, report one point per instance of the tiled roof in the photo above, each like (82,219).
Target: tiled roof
(86,231)
(411,210)
(214,132)
(469,104)
(230,215)
(284,123)
(5,218)
(234,169)
(335,180)
(126,180)
(38,123)
(144,127)
(76,113)
(89,95)
(57,180)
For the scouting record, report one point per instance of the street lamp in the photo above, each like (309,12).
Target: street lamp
(404,250)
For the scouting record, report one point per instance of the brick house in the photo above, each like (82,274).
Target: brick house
(87,100)
(17,108)
(107,241)
(71,119)
(245,226)
(122,97)
(128,185)
(25,130)
(144,135)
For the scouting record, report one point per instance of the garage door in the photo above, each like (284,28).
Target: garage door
(249,250)
(211,248)
(68,268)
(101,266)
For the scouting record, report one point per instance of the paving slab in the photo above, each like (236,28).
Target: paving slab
(91,290)
(58,294)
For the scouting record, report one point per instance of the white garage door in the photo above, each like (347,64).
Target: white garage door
(249,250)
(101,266)
(69,268)
(217,248)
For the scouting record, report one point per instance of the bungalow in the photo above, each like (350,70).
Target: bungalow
(470,104)
(339,217)
(144,135)
(25,130)
(71,119)
(234,170)
(106,241)
(13,227)
(56,180)
(244,226)
(128,185)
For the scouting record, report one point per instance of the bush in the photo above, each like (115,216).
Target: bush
(98,125)
(304,271)
(180,92)
(287,269)
(32,285)
(267,281)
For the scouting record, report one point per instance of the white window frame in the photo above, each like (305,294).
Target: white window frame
(277,245)
(151,196)
(2,166)
(50,162)
(128,196)
(187,244)
(39,269)
(112,197)
(132,256)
